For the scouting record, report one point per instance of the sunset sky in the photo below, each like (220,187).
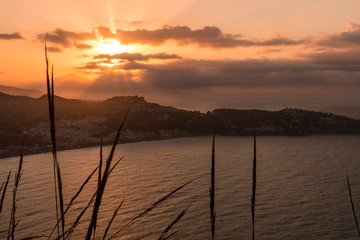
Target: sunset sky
(192,54)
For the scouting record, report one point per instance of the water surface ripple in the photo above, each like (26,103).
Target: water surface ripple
(301,188)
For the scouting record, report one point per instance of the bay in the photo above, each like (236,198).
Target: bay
(301,188)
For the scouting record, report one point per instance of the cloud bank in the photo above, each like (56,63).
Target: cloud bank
(11,36)
(348,38)
(207,37)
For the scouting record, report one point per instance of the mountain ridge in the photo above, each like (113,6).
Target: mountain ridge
(15,91)
(82,123)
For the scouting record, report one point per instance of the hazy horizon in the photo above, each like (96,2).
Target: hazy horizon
(349,111)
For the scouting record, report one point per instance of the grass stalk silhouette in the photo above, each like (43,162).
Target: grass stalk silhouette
(13,223)
(212,190)
(253,194)
(164,235)
(74,198)
(102,184)
(4,187)
(59,201)
(149,209)
(112,219)
(352,206)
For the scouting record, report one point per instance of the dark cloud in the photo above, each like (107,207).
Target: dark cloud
(202,75)
(10,36)
(126,61)
(54,49)
(348,38)
(96,65)
(137,56)
(82,46)
(132,65)
(68,39)
(208,36)
(337,61)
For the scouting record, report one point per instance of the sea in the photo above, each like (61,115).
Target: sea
(301,189)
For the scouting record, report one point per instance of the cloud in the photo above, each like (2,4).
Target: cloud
(10,36)
(54,49)
(208,36)
(350,37)
(83,46)
(126,61)
(189,76)
(337,61)
(95,65)
(137,56)
(68,39)
(207,84)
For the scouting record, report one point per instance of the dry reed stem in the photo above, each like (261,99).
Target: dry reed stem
(352,206)
(154,205)
(101,187)
(112,219)
(13,223)
(50,91)
(168,228)
(4,192)
(100,163)
(76,222)
(253,195)
(212,191)
(74,198)
(2,185)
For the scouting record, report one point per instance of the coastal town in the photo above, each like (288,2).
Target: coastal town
(24,121)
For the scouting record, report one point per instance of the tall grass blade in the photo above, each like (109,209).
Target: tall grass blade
(212,191)
(112,219)
(176,220)
(4,192)
(253,195)
(76,222)
(352,205)
(61,199)
(113,167)
(12,223)
(101,187)
(169,236)
(2,185)
(154,205)
(74,198)
(80,190)
(100,163)
(52,131)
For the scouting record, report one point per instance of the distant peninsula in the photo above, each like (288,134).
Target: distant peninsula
(25,121)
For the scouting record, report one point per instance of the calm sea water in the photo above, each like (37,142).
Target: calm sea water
(301,188)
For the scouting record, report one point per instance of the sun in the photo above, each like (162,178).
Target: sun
(112,46)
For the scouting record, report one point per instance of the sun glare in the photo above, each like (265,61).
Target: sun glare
(112,47)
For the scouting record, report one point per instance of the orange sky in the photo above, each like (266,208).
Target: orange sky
(191,53)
